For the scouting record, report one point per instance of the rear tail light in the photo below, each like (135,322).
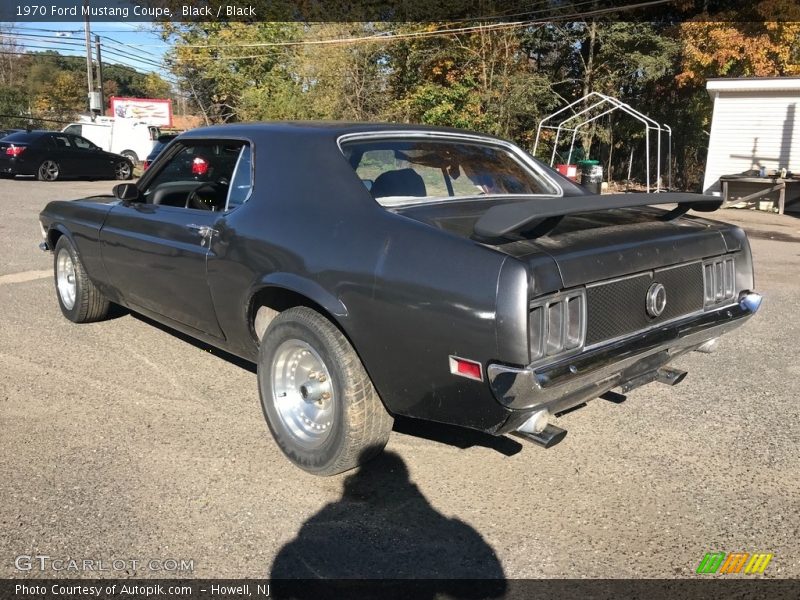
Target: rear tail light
(557,324)
(719,281)
(14,151)
(145,164)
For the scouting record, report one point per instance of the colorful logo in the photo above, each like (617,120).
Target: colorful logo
(719,562)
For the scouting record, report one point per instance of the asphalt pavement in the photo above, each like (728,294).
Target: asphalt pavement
(122,441)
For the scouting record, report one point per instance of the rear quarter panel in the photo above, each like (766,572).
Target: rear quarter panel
(406,294)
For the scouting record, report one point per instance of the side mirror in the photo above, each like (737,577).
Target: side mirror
(127,192)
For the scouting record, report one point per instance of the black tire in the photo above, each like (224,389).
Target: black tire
(48,170)
(359,426)
(88,303)
(123,170)
(131,156)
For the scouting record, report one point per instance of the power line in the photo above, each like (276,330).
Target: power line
(434,33)
(61,45)
(63,56)
(68,42)
(135,46)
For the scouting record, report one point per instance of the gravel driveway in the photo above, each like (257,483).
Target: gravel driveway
(124,441)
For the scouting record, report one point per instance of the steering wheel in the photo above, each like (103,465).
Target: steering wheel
(208,196)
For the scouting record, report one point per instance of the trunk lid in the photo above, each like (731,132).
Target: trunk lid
(589,247)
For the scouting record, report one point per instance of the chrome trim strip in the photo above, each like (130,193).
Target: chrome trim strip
(616,279)
(679,265)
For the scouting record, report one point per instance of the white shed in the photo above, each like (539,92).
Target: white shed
(755,124)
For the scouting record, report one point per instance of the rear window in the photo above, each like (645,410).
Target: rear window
(22,137)
(416,171)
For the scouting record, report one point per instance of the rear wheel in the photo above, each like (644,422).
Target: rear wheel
(79,299)
(318,400)
(48,170)
(131,156)
(123,170)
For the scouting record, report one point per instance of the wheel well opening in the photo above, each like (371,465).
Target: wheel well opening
(269,302)
(52,238)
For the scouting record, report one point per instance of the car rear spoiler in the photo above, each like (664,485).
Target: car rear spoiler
(504,219)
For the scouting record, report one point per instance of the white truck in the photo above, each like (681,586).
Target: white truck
(131,138)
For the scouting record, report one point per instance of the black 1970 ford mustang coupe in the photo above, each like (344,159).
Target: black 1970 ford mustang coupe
(378,270)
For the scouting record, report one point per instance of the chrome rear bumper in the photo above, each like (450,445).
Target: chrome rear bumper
(559,386)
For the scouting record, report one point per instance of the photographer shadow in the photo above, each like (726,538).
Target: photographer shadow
(383,528)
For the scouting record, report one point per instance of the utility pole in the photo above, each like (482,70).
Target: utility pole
(88,51)
(99,73)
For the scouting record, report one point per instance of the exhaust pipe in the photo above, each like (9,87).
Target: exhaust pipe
(538,429)
(546,438)
(670,376)
(708,347)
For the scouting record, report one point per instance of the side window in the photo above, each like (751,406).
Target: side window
(82,143)
(242,182)
(198,177)
(74,129)
(61,141)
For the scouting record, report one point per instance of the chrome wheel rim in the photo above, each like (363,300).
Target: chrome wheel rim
(302,393)
(65,278)
(122,170)
(49,170)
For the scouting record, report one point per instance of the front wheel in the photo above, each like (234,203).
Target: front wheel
(79,299)
(319,402)
(48,171)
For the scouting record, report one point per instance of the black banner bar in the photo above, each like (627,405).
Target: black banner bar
(703,588)
(485,11)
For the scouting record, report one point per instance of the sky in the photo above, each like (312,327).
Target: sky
(136,45)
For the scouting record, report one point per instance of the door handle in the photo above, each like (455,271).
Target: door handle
(206,233)
(203,230)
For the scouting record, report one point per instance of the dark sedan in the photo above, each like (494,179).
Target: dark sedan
(52,155)
(380,270)
(158,147)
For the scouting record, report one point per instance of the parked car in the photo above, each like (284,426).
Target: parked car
(161,143)
(131,138)
(50,155)
(380,270)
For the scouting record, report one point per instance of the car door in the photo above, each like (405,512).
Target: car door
(91,161)
(155,250)
(63,153)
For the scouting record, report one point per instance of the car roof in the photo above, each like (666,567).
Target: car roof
(333,129)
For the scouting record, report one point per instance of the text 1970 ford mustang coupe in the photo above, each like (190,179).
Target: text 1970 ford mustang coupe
(379,270)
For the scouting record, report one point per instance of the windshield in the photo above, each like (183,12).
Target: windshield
(415,171)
